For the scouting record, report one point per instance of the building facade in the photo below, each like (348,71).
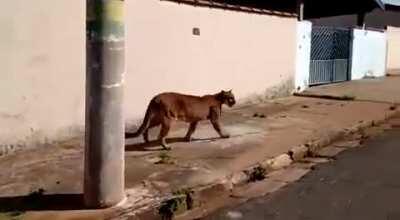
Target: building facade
(170,47)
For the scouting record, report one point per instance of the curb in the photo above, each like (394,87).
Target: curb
(199,194)
(298,153)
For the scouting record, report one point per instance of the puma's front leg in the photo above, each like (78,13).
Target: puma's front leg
(214,118)
(218,128)
(192,128)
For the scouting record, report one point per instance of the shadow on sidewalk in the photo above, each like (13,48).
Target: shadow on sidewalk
(37,201)
(155,145)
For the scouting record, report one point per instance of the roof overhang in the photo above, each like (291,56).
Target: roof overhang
(388,3)
(381,4)
(318,9)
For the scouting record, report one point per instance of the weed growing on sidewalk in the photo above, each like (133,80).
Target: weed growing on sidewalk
(168,208)
(187,193)
(165,158)
(348,97)
(257,174)
(181,200)
(11,216)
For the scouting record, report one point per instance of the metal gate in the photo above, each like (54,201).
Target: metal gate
(330,55)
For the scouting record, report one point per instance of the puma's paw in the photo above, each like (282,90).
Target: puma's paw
(188,139)
(167,148)
(226,136)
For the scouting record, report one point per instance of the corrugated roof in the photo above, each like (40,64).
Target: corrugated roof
(384,3)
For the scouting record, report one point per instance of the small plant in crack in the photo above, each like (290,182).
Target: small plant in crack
(186,193)
(164,158)
(349,97)
(257,174)
(181,200)
(168,208)
(15,215)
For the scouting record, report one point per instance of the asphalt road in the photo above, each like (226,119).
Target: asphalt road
(362,184)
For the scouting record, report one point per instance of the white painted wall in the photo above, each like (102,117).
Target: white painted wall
(393,35)
(368,54)
(42,60)
(303,55)
(244,52)
(42,70)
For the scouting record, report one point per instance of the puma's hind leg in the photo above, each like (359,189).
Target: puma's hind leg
(146,136)
(165,126)
(154,123)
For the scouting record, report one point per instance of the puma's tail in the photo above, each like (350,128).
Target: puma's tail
(145,124)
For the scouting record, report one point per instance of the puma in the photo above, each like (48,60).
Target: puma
(164,108)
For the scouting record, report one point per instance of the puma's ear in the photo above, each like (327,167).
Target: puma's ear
(230,91)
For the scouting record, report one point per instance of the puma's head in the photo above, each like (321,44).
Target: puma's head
(227,97)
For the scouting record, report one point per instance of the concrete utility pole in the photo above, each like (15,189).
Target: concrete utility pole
(104,138)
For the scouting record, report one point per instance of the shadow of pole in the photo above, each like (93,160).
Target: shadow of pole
(37,201)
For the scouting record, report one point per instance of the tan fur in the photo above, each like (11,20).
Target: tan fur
(167,107)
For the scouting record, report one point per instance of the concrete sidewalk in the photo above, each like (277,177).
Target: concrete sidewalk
(152,173)
(383,89)
(362,183)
